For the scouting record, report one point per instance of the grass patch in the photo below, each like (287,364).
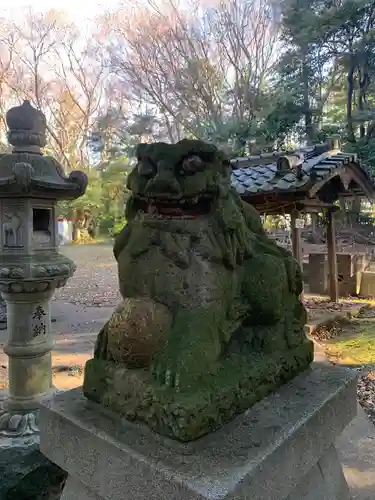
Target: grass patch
(88,241)
(355,345)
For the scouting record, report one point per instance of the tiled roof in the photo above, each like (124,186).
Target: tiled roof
(249,178)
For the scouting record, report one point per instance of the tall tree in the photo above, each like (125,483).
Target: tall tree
(202,68)
(304,65)
(349,28)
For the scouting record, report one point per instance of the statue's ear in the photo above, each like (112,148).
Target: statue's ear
(128,178)
(223,158)
(141,150)
(189,147)
(208,148)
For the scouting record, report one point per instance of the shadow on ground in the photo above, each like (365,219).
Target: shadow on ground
(356,450)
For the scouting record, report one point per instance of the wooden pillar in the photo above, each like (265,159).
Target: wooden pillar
(296,239)
(332,260)
(296,242)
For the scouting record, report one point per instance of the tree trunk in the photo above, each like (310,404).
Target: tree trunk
(349,105)
(309,128)
(78,224)
(370,131)
(362,77)
(362,131)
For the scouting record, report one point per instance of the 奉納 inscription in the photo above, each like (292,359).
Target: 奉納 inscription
(39,327)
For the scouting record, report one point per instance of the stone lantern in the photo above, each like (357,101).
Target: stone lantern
(30,266)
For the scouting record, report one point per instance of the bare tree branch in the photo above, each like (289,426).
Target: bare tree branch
(200,67)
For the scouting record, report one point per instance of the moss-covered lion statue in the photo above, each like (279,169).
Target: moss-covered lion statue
(211,319)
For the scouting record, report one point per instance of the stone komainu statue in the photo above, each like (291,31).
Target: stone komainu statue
(211,320)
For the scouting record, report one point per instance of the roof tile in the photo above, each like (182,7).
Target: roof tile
(265,177)
(290,177)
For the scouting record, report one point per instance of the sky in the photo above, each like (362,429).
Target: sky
(77,10)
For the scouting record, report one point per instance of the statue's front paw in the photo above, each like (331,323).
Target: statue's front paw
(184,373)
(166,373)
(191,353)
(180,374)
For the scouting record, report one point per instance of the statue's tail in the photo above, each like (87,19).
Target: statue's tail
(299,279)
(100,349)
(295,275)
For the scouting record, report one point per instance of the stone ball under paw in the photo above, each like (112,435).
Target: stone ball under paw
(137,331)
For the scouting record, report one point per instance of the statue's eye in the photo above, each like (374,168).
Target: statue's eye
(145,168)
(192,164)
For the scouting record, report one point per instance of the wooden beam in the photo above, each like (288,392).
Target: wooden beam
(291,207)
(318,185)
(332,260)
(279,203)
(314,203)
(315,209)
(355,171)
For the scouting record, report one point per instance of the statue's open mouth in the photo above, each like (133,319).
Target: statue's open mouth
(189,207)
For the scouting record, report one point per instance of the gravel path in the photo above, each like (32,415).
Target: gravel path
(366,394)
(95,282)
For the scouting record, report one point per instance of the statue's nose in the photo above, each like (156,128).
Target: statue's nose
(164,182)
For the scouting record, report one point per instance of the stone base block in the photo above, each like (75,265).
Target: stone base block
(281,449)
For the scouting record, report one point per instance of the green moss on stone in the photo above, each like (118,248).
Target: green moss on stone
(240,382)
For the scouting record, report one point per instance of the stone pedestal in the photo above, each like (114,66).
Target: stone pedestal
(281,449)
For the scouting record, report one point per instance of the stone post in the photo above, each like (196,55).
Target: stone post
(30,266)
(30,365)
